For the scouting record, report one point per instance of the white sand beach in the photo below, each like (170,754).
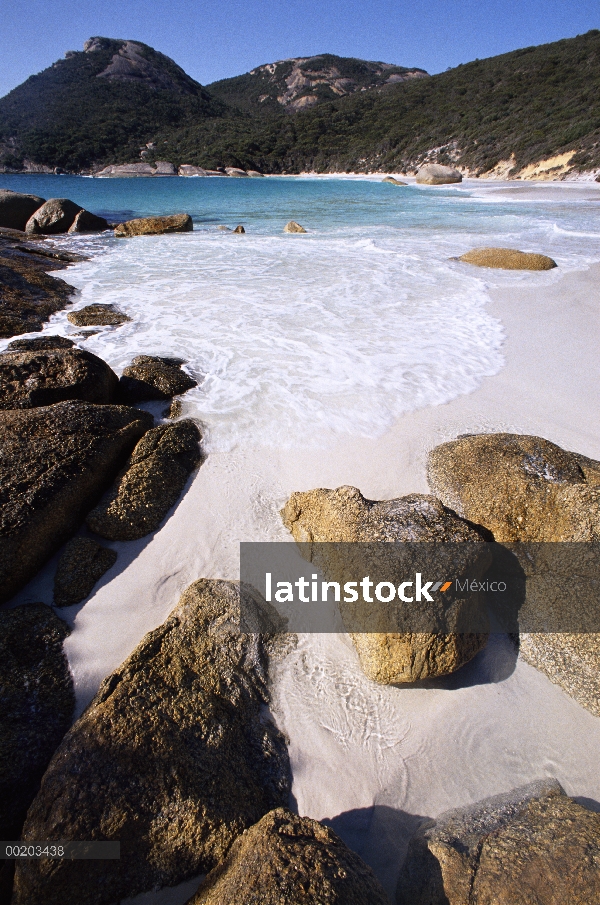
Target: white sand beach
(372,760)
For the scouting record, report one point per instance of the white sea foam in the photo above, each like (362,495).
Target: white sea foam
(292,338)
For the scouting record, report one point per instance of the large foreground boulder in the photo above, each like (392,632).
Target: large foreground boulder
(174,758)
(149,377)
(531,846)
(46,376)
(83,562)
(528,491)
(55,462)
(54,216)
(151,483)
(437,174)
(290,859)
(97,316)
(36,706)
(335,529)
(16,208)
(155,226)
(507,259)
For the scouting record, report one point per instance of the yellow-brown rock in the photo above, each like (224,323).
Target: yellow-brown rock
(531,846)
(437,174)
(334,529)
(293,860)
(155,226)
(507,259)
(293,227)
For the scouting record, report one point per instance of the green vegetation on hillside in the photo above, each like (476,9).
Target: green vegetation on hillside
(531,103)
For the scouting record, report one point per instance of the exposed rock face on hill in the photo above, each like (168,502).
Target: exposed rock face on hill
(395,643)
(131,64)
(43,377)
(37,702)
(291,859)
(174,757)
(55,462)
(531,845)
(304,81)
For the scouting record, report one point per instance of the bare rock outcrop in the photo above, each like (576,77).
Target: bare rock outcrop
(82,564)
(151,483)
(16,208)
(37,703)
(174,757)
(42,377)
(437,174)
(151,377)
(291,859)
(531,845)
(155,226)
(55,462)
(335,528)
(507,259)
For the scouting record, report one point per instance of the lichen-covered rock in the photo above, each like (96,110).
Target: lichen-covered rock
(97,316)
(437,174)
(531,846)
(151,483)
(149,377)
(335,528)
(55,462)
(36,705)
(174,757)
(293,227)
(528,490)
(155,226)
(290,859)
(522,488)
(82,563)
(46,376)
(393,181)
(40,344)
(85,222)
(507,259)
(16,208)
(54,216)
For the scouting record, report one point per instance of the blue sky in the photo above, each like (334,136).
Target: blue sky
(213,40)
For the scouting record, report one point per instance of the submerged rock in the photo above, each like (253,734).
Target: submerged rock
(44,376)
(291,859)
(507,259)
(393,181)
(16,208)
(82,564)
(55,462)
(97,316)
(174,757)
(149,377)
(531,845)
(85,222)
(437,174)
(324,521)
(293,227)
(36,705)
(54,216)
(151,483)
(155,226)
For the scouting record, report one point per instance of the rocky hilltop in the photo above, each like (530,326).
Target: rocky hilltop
(302,82)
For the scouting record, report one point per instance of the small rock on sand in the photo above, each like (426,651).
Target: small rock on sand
(293,227)
(155,226)
(507,259)
(82,564)
(291,859)
(531,845)
(97,316)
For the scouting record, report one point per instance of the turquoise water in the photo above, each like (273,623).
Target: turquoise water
(298,339)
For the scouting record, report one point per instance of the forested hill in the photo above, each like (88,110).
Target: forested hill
(325,113)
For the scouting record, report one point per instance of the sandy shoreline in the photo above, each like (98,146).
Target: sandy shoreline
(372,760)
